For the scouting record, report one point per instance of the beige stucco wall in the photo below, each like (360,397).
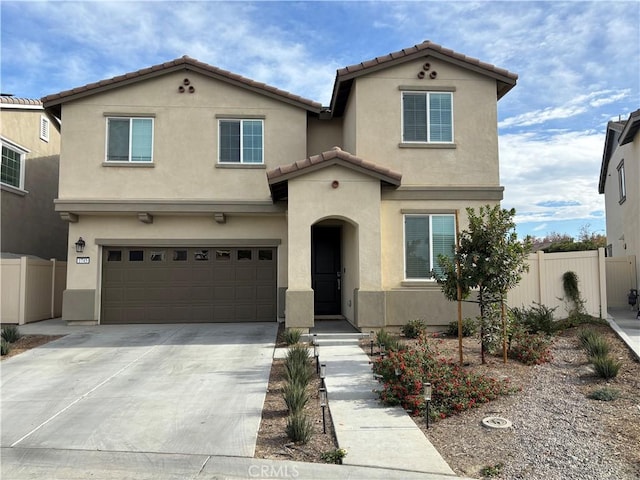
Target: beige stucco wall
(29,223)
(323,135)
(312,200)
(378,126)
(185,149)
(623,219)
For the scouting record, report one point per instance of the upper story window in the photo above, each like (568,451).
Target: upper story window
(622,187)
(12,172)
(44,128)
(241,141)
(426,237)
(129,139)
(427,117)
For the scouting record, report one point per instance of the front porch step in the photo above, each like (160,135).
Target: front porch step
(324,338)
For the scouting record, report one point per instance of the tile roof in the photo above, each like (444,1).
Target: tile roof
(505,80)
(278,177)
(419,50)
(186,63)
(20,102)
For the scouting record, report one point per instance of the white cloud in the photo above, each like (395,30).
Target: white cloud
(552,177)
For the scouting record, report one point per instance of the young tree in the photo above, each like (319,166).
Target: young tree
(488,258)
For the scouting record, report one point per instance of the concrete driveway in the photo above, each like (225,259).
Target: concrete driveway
(178,389)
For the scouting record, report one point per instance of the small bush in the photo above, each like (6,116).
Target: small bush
(604,394)
(598,347)
(469,328)
(4,347)
(538,318)
(291,336)
(531,349)
(299,373)
(606,367)
(297,353)
(587,336)
(334,456)
(492,470)
(295,396)
(10,333)
(414,328)
(299,428)
(385,338)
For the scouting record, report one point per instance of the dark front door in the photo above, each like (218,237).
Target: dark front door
(326,270)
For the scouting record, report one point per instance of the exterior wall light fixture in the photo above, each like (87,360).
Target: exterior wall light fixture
(80,245)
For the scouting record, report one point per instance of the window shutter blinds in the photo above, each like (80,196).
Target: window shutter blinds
(417,247)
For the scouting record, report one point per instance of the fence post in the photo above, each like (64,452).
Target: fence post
(541,275)
(53,287)
(602,273)
(22,305)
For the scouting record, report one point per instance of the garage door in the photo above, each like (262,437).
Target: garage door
(175,285)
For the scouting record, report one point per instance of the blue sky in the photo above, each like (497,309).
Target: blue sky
(578,63)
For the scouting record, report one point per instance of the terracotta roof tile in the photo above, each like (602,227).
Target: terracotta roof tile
(11,100)
(185,62)
(426,45)
(283,172)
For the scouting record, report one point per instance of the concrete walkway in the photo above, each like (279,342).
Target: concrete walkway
(626,324)
(373,434)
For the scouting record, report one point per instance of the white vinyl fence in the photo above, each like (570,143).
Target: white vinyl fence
(543,283)
(31,289)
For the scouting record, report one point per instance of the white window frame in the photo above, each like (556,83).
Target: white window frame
(427,95)
(44,128)
(130,118)
(22,151)
(622,186)
(241,121)
(432,261)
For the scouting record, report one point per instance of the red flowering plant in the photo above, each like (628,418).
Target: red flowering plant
(454,389)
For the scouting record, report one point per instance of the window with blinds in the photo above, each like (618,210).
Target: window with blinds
(427,117)
(425,238)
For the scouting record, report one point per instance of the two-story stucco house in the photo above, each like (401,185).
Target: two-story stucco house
(620,184)
(204,196)
(29,180)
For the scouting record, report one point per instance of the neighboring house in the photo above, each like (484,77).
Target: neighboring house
(204,196)
(29,180)
(620,183)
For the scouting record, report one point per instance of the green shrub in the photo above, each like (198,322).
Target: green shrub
(295,396)
(538,318)
(455,389)
(606,367)
(598,347)
(594,343)
(4,347)
(297,353)
(414,328)
(334,456)
(291,336)
(531,349)
(469,328)
(492,470)
(390,342)
(10,333)
(297,365)
(299,428)
(604,394)
(586,336)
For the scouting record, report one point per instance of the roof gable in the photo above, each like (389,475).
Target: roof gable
(278,177)
(505,80)
(618,134)
(55,100)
